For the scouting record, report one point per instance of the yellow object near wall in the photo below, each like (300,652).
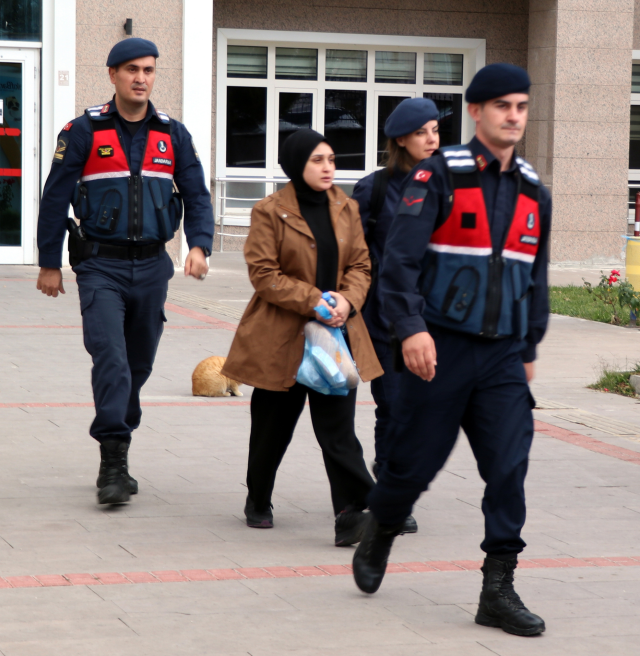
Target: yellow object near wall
(633,262)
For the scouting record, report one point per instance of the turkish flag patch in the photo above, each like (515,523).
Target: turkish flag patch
(422,175)
(67,127)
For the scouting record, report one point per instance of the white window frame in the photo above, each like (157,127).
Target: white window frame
(474,51)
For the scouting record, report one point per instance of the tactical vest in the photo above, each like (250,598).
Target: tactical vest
(469,283)
(114,205)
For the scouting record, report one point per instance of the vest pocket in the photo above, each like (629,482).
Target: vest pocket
(109,213)
(81,202)
(461,295)
(163,213)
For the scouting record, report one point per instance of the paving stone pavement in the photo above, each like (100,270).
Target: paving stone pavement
(154,576)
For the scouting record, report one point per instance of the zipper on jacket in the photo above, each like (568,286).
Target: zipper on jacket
(493,305)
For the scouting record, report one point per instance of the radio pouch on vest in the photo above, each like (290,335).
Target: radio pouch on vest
(109,212)
(164,212)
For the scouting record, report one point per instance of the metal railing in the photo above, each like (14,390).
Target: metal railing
(222,199)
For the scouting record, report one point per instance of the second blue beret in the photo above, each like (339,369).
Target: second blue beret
(409,115)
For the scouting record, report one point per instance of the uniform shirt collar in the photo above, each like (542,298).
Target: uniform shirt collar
(113,110)
(478,149)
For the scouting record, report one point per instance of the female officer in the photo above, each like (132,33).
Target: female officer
(412,132)
(304,240)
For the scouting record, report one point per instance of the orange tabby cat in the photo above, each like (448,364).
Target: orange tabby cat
(208,381)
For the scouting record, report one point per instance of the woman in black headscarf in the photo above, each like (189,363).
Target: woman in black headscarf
(304,240)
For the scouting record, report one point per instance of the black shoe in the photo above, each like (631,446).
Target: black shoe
(132,484)
(370,558)
(349,527)
(500,605)
(115,486)
(257,519)
(410,525)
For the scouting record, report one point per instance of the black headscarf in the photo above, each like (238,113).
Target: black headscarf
(314,205)
(294,156)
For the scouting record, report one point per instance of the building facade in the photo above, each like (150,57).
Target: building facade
(244,75)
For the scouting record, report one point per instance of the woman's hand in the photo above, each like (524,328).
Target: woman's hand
(339,314)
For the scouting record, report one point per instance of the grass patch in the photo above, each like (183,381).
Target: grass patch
(616,382)
(577,302)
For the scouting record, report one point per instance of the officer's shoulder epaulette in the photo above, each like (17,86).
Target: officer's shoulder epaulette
(527,171)
(98,112)
(164,118)
(459,159)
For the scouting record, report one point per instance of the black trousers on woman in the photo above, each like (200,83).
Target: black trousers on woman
(274,416)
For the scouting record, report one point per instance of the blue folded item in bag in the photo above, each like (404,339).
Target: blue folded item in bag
(327,366)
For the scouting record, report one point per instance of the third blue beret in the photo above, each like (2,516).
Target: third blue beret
(409,115)
(496,80)
(129,49)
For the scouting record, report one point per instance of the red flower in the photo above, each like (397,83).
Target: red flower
(606,389)
(612,279)
(614,272)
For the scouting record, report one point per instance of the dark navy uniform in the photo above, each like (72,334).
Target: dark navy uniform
(466,260)
(120,181)
(384,388)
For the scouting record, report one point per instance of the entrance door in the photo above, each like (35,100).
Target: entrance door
(18,154)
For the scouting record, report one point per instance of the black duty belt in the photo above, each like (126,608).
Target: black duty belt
(128,252)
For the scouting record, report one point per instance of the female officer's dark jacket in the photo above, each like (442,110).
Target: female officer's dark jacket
(373,313)
(467,250)
(121,186)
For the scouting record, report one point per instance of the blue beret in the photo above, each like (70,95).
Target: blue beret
(496,80)
(129,49)
(409,115)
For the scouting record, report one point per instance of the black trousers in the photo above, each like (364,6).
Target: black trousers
(480,385)
(122,304)
(274,416)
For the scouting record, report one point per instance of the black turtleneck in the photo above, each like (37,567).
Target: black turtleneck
(314,205)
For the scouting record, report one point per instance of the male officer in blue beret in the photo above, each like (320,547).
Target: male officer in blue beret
(464,284)
(117,165)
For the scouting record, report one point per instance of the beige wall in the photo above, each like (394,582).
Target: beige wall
(100,26)
(580,65)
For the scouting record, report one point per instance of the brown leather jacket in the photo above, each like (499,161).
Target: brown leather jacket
(281,255)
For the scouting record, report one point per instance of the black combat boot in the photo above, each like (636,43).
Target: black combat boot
(100,483)
(115,480)
(500,605)
(349,527)
(370,558)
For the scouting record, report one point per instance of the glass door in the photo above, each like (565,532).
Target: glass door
(18,155)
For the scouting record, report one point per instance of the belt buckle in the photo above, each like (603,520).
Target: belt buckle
(134,253)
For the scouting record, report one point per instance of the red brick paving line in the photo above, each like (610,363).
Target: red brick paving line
(148,404)
(586,442)
(307,571)
(198,316)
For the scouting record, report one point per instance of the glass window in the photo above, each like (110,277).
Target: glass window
(449,116)
(246,61)
(396,67)
(442,68)
(386,104)
(634,143)
(296,64)
(244,195)
(21,20)
(294,113)
(345,127)
(11,116)
(635,78)
(246,122)
(346,66)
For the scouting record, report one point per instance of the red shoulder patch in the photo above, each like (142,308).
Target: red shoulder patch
(482,162)
(67,127)
(422,176)
(105,109)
